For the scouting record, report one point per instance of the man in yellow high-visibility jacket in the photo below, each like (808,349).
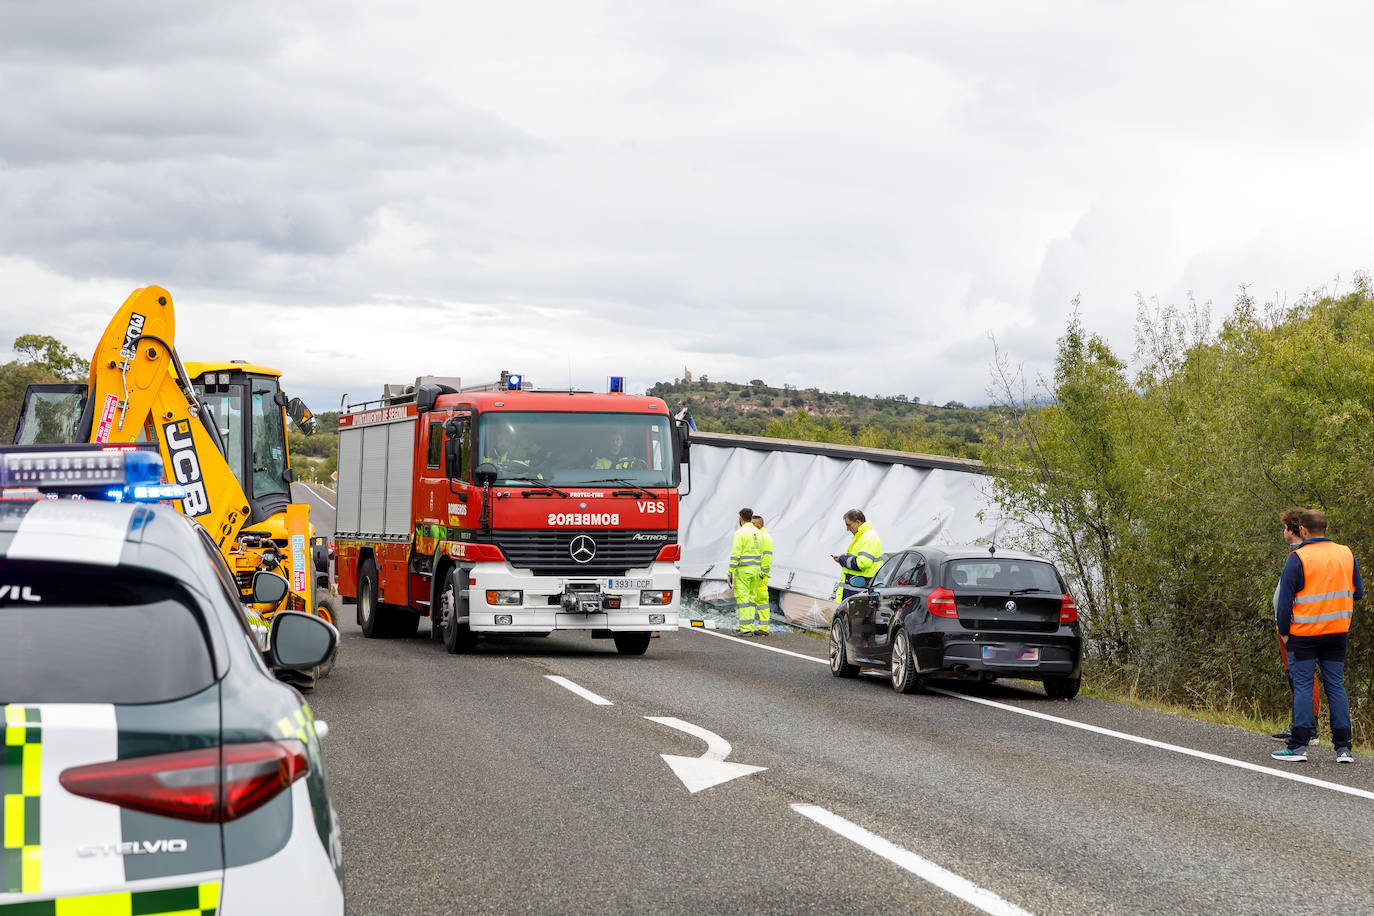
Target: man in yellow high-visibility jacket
(861,559)
(745,564)
(765,570)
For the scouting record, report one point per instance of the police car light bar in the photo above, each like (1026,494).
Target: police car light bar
(115,473)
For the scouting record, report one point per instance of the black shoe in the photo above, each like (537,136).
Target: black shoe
(1283,735)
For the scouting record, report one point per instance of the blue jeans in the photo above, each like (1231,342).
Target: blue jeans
(1303,665)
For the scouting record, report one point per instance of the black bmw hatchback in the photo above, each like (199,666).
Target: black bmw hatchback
(961,612)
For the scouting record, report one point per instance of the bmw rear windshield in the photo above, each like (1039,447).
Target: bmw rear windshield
(85,636)
(1003,575)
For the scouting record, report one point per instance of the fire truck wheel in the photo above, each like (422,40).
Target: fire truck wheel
(371,615)
(458,637)
(632,643)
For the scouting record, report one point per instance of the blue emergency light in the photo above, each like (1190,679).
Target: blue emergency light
(616,384)
(512,383)
(131,473)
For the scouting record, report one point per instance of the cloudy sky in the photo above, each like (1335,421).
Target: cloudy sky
(852,196)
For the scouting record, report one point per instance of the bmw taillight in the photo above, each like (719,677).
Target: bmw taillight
(941,603)
(1068,611)
(188,784)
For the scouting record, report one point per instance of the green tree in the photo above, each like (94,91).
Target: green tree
(51,354)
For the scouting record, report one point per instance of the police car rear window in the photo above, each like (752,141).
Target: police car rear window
(97,638)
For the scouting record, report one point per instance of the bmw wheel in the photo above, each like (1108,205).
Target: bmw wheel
(839,663)
(1062,688)
(904,676)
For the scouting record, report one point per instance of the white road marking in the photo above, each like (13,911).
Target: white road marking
(942,878)
(711,768)
(583,692)
(1203,755)
(318,498)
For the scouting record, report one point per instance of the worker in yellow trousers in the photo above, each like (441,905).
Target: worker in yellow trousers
(761,608)
(745,564)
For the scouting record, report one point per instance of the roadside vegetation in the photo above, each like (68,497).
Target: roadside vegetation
(1157,486)
(894,422)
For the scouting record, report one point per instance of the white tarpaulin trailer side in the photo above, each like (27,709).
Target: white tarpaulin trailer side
(803,489)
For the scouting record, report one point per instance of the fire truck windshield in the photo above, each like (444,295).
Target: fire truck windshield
(554,448)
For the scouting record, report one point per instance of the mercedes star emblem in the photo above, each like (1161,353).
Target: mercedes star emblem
(582,549)
(1011,605)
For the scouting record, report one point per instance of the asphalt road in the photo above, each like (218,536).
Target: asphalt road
(478,784)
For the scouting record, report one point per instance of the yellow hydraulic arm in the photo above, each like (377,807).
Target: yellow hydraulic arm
(139,390)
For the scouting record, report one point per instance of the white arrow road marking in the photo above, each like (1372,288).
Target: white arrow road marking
(711,768)
(942,878)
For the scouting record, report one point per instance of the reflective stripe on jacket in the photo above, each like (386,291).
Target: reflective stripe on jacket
(1326,600)
(744,550)
(860,560)
(765,551)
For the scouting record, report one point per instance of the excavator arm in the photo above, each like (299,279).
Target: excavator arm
(139,390)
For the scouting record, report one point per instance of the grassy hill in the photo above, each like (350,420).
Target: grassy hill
(757,409)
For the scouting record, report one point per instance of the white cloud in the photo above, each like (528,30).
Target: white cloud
(852,197)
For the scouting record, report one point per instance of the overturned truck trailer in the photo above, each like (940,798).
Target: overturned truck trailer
(802,489)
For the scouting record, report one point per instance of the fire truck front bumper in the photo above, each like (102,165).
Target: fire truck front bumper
(514,603)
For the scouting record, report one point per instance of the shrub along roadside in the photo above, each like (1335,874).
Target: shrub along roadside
(1158,490)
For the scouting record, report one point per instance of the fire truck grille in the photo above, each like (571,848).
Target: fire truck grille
(554,553)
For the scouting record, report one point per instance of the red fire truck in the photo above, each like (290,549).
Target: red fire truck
(502,509)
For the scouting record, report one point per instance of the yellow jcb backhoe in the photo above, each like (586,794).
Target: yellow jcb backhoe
(221,428)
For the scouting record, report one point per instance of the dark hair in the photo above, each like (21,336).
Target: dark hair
(855,515)
(1291,518)
(759,519)
(746,514)
(1314,520)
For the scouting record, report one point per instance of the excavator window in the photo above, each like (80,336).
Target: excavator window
(225,405)
(269,441)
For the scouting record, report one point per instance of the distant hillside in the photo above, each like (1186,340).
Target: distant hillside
(757,409)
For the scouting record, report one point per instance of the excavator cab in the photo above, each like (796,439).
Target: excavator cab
(245,403)
(50,413)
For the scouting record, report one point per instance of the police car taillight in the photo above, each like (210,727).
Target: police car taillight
(210,785)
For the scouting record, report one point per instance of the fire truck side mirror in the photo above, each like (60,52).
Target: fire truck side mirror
(454,430)
(485,475)
(684,441)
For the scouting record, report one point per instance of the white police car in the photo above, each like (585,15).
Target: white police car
(152,763)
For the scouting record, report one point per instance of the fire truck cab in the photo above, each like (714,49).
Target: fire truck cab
(501,509)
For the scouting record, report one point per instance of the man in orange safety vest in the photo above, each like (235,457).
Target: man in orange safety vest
(1317,594)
